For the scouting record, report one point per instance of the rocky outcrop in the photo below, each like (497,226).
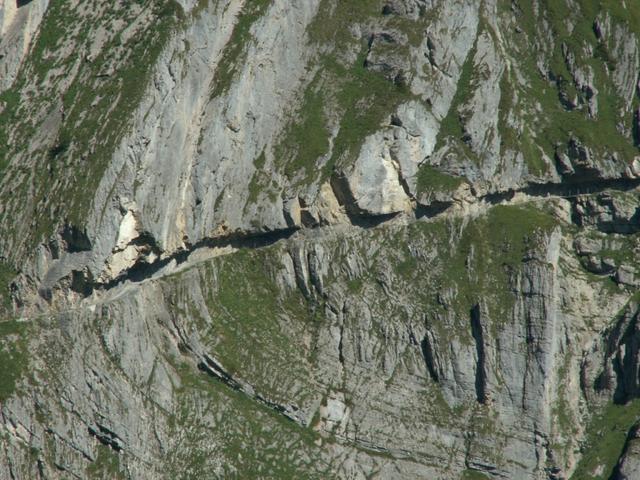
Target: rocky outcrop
(628,466)
(19,21)
(318,239)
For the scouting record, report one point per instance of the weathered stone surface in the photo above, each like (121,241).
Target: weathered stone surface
(318,239)
(19,23)
(628,467)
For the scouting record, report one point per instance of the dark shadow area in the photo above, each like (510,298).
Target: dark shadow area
(431,210)
(478,335)
(371,221)
(106,437)
(76,240)
(429,360)
(57,150)
(143,270)
(581,187)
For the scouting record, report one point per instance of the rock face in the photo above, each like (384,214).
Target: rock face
(319,239)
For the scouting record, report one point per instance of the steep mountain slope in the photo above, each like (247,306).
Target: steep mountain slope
(319,239)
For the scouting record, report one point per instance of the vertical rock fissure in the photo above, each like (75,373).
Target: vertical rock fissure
(478,335)
(428,355)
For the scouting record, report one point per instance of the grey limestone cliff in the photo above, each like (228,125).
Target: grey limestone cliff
(319,239)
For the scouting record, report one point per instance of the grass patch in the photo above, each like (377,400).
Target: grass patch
(452,124)
(366,99)
(432,180)
(252,303)
(7,274)
(233,55)
(360,100)
(477,262)
(249,324)
(467,264)
(491,249)
(248,439)
(606,437)
(106,464)
(556,123)
(510,139)
(9,103)
(125,89)
(307,137)
(469,474)
(354,286)
(13,356)
(260,181)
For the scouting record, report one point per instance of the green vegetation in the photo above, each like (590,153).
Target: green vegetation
(360,99)
(248,325)
(307,137)
(9,102)
(106,465)
(328,28)
(476,262)
(432,180)
(453,124)
(470,474)
(232,57)
(247,309)
(7,274)
(253,440)
(606,437)
(510,139)
(618,253)
(539,100)
(116,100)
(490,250)
(97,95)
(13,356)
(355,285)
(407,266)
(367,98)
(555,123)
(512,229)
(260,180)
